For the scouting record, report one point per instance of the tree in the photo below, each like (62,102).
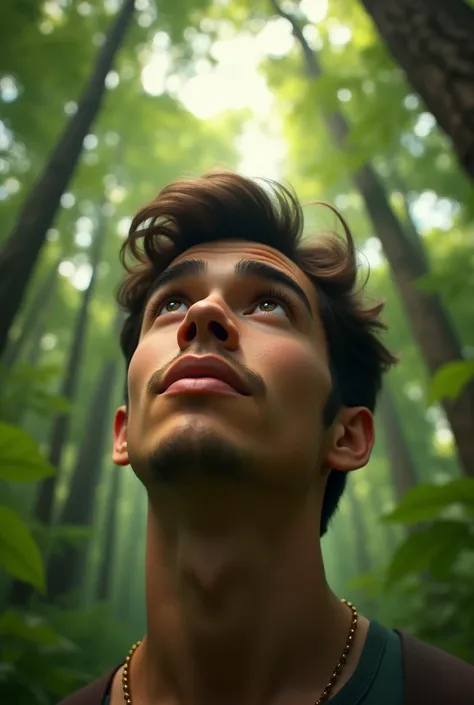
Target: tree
(432,42)
(429,320)
(21,251)
(33,316)
(399,455)
(104,585)
(66,568)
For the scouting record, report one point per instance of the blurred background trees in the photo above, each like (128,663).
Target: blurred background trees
(101,105)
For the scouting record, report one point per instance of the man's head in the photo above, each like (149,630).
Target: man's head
(220,273)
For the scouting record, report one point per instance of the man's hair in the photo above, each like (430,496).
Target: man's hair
(222,205)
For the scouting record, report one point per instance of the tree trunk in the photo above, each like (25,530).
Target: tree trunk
(429,321)
(44,504)
(104,586)
(130,557)
(60,430)
(65,569)
(21,251)
(399,457)
(363,559)
(433,41)
(33,317)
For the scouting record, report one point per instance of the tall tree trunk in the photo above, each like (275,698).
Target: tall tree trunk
(21,251)
(60,430)
(432,40)
(429,321)
(33,317)
(402,467)
(44,503)
(65,569)
(363,559)
(104,584)
(130,557)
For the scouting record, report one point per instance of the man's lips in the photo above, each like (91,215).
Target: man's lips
(207,373)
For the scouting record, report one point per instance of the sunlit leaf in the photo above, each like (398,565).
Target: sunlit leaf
(19,553)
(442,541)
(30,628)
(449,380)
(425,502)
(20,459)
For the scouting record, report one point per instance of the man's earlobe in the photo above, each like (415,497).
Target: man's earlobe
(352,439)
(120,443)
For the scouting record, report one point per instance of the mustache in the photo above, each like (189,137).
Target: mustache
(253,380)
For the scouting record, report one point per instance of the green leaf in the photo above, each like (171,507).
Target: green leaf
(441,542)
(20,459)
(449,380)
(28,628)
(19,553)
(425,502)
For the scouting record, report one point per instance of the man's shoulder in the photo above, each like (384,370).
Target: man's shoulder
(92,694)
(434,676)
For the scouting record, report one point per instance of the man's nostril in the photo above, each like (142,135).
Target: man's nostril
(191,332)
(218,330)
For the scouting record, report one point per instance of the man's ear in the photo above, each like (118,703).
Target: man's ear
(119,448)
(351,439)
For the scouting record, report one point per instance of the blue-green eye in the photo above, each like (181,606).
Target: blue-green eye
(271,306)
(171,305)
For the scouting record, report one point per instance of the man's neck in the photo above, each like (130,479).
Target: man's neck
(237,612)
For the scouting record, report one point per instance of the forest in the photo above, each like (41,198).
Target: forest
(366,104)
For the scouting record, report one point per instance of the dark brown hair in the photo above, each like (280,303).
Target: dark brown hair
(222,205)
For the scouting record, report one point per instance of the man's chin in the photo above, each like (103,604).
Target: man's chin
(191,455)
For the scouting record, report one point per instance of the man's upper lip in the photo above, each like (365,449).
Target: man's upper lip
(204,366)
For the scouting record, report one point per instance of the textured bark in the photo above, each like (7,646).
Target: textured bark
(363,559)
(430,324)
(130,558)
(60,430)
(104,586)
(21,251)
(433,42)
(33,318)
(45,498)
(401,463)
(66,569)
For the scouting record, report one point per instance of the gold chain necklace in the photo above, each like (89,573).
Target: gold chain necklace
(325,694)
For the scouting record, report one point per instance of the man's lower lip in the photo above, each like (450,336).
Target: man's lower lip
(200,385)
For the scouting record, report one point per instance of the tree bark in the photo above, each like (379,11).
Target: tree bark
(432,40)
(33,317)
(363,559)
(45,498)
(428,318)
(21,251)
(65,569)
(402,467)
(104,586)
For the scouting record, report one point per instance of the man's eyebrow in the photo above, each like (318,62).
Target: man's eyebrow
(247,268)
(186,268)
(244,269)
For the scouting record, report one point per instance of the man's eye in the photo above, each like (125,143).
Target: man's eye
(171,305)
(271,306)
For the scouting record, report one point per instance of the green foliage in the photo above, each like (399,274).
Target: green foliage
(450,380)
(28,386)
(19,553)
(20,459)
(435,548)
(38,665)
(426,502)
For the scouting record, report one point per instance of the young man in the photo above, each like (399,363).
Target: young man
(253,370)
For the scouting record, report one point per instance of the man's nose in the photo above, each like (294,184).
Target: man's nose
(207,321)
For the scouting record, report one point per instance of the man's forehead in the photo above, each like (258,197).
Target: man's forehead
(229,252)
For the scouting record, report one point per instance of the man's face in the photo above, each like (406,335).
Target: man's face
(266,330)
